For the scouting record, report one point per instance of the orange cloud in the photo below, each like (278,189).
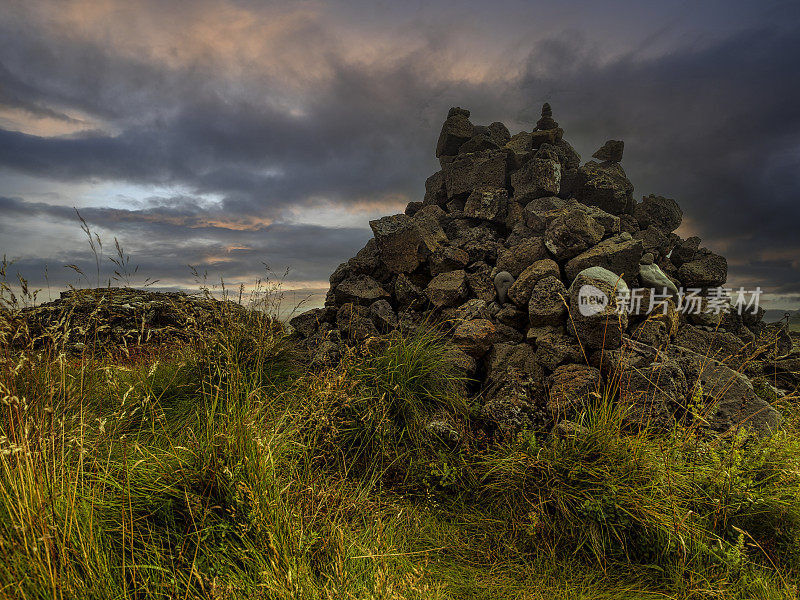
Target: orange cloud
(16,119)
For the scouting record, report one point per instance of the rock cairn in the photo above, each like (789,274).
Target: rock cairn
(110,318)
(509,232)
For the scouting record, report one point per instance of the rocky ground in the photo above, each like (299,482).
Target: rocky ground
(510,233)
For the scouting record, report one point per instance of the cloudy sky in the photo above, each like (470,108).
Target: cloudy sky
(233,133)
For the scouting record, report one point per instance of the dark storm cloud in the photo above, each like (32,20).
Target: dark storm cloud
(169,239)
(711,122)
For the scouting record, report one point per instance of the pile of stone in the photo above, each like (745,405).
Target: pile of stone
(496,255)
(108,318)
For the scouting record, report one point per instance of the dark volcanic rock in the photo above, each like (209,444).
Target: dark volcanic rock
(404,242)
(707,271)
(605,185)
(570,388)
(547,305)
(571,232)
(663,213)
(610,151)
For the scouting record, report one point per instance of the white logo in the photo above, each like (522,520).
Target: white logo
(591,300)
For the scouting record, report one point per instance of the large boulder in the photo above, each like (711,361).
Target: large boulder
(605,185)
(595,316)
(383,316)
(435,192)
(448,258)
(519,257)
(660,212)
(447,289)
(520,291)
(619,254)
(724,399)
(538,177)
(547,305)
(475,337)
(456,130)
(721,346)
(684,251)
(361,289)
(468,172)
(610,151)
(520,148)
(571,232)
(354,322)
(404,242)
(710,270)
(654,240)
(488,204)
(570,388)
(307,323)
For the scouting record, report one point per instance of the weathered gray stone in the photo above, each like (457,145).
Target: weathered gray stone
(481,286)
(520,291)
(475,337)
(553,348)
(570,387)
(435,193)
(653,240)
(512,316)
(605,185)
(404,242)
(660,212)
(652,332)
(610,151)
(468,172)
(517,258)
(685,251)
(616,254)
(547,305)
(509,405)
(721,346)
(354,322)
(447,289)
(596,324)
(456,130)
(499,133)
(448,258)
(502,282)
(489,204)
(571,232)
(708,271)
(383,316)
(651,276)
(307,323)
(537,178)
(520,149)
(361,289)
(505,356)
(728,398)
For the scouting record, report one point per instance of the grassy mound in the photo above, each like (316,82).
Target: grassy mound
(222,469)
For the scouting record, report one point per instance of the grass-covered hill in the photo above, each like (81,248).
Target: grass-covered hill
(217,465)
